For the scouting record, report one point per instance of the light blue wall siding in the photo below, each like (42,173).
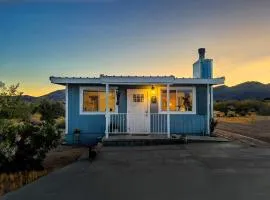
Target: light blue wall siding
(92,126)
(201,97)
(203,68)
(188,124)
(207,68)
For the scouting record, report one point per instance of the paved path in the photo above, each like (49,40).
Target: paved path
(194,171)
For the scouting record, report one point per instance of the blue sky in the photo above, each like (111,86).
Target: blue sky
(142,37)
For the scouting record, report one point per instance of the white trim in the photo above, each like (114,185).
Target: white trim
(168,111)
(66,111)
(107,111)
(212,103)
(208,110)
(137,80)
(194,101)
(82,88)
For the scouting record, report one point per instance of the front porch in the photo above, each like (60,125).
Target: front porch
(143,111)
(156,139)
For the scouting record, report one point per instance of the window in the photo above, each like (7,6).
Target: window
(181,100)
(94,100)
(138,97)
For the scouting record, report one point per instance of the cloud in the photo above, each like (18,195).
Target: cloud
(2,84)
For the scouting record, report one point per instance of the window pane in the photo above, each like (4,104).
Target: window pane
(172,100)
(95,101)
(180,101)
(102,101)
(112,100)
(90,101)
(163,100)
(184,98)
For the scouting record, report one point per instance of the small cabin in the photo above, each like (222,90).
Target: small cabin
(113,105)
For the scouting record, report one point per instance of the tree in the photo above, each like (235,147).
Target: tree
(11,104)
(50,110)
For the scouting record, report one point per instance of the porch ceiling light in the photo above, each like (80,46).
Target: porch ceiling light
(153,91)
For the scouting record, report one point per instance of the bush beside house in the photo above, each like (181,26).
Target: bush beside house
(24,142)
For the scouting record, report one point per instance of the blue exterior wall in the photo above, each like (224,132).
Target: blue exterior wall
(188,124)
(203,68)
(92,126)
(207,68)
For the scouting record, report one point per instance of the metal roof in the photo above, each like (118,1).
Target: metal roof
(134,80)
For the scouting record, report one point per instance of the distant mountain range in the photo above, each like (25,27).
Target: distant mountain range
(246,90)
(58,95)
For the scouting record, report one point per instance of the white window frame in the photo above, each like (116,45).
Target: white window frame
(194,100)
(103,89)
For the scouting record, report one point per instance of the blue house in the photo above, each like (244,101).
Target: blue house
(113,105)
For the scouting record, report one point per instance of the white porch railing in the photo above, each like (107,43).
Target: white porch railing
(137,123)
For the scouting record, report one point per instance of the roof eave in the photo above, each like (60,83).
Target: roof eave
(136,81)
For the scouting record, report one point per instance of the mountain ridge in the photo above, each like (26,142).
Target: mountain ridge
(242,91)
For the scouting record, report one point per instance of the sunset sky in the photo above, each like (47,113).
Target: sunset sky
(131,37)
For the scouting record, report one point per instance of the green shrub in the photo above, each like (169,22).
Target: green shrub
(213,124)
(60,123)
(231,113)
(24,146)
(243,107)
(11,104)
(50,110)
(264,110)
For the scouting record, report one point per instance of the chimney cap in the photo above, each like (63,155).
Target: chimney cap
(201,52)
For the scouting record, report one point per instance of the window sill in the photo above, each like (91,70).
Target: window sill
(178,113)
(96,113)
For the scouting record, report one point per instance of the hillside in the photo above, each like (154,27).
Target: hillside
(58,95)
(246,90)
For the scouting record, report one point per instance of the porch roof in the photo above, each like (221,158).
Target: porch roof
(135,80)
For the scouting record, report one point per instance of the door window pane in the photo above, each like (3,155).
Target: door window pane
(138,97)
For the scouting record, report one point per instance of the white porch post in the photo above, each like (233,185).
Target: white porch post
(107,111)
(208,110)
(212,103)
(168,111)
(66,111)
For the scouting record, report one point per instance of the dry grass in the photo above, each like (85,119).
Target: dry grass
(10,182)
(257,127)
(240,120)
(55,159)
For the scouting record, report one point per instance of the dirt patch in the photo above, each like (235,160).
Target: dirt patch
(61,157)
(257,127)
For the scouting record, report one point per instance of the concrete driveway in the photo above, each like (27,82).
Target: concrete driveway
(194,171)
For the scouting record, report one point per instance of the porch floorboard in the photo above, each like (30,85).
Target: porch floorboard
(155,139)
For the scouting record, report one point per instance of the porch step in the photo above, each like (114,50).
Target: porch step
(147,140)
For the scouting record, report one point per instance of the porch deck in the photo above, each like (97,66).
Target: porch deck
(155,139)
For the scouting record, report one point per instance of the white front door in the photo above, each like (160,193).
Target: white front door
(138,111)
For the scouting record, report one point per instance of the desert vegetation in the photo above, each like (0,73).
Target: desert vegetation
(243,119)
(236,108)
(28,131)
